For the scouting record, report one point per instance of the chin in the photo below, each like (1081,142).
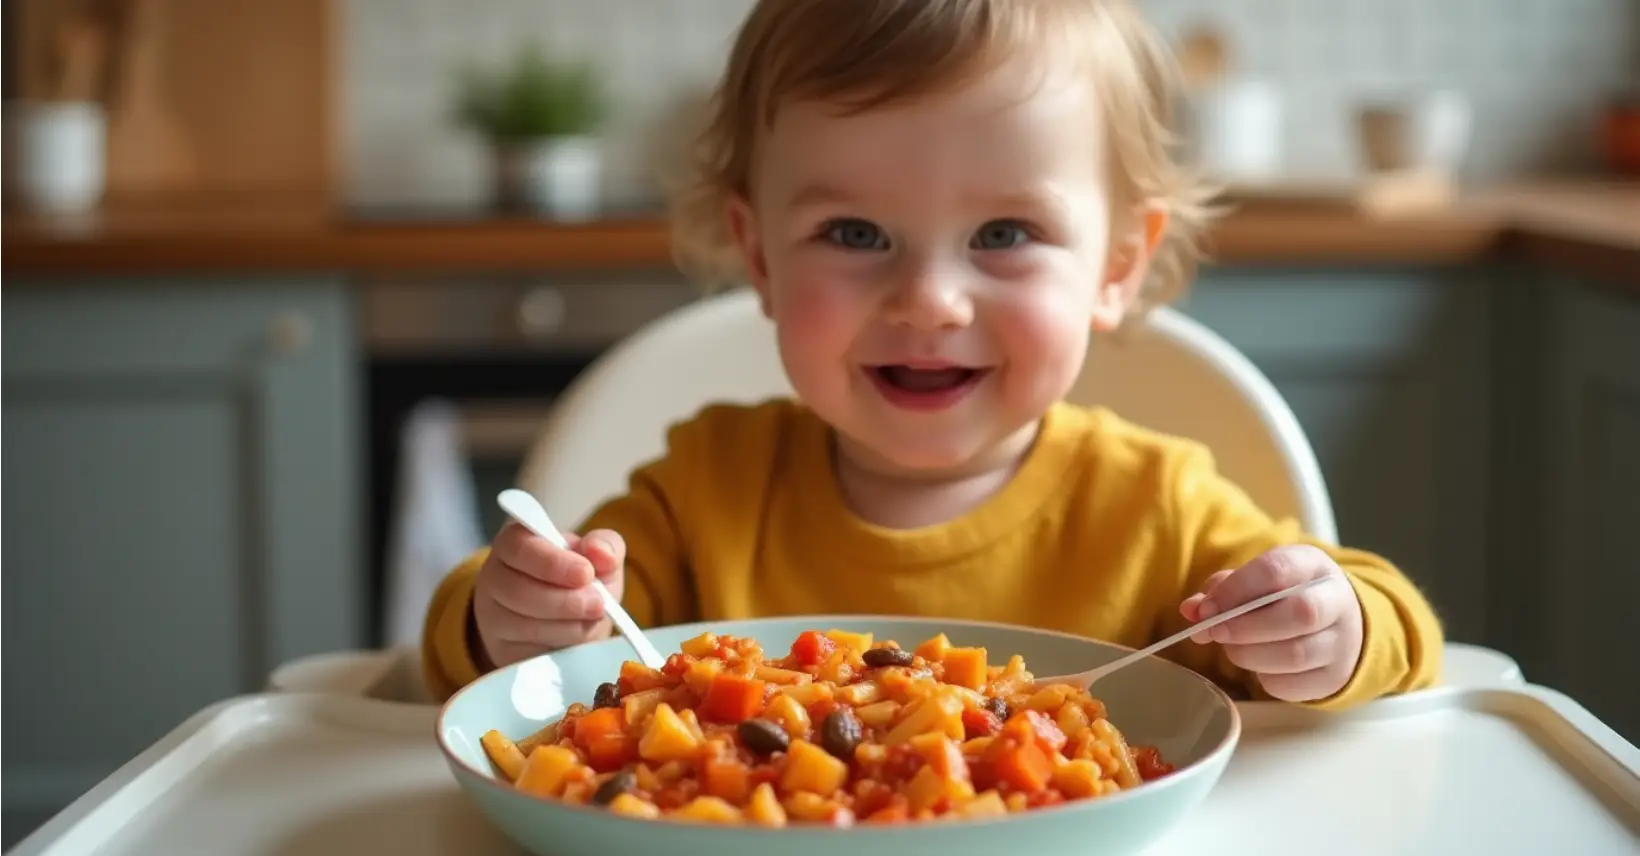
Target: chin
(928,454)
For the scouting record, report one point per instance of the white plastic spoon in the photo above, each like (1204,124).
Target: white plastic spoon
(1083,680)
(526,510)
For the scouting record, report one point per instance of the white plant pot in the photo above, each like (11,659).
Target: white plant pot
(556,176)
(60,152)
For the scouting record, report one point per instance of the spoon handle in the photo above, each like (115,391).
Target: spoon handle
(1199,626)
(526,510)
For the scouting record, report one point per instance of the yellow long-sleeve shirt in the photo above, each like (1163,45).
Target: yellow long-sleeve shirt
(1102,531)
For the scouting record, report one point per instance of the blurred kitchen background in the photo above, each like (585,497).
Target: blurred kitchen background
(277,322)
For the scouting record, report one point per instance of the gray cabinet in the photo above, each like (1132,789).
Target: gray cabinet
(181,511)
(1387,370)
(1582,594)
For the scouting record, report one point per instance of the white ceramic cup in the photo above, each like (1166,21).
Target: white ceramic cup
(1235,129)
(61,155)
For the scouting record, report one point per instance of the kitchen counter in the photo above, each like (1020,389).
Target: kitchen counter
(1592,228)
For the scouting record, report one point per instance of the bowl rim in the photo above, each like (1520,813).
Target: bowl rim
(1226,744)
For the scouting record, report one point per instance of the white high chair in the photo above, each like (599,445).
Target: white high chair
(1171,374)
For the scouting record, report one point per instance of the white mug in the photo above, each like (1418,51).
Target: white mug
(1235,129)
(59,155)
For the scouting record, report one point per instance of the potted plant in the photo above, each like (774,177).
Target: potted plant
(540,120)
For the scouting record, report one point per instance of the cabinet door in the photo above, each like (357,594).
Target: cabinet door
(181,511)
(1584,590)
(1386,370)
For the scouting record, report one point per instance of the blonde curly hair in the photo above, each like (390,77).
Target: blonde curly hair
(866,53)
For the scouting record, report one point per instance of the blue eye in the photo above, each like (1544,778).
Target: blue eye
(999,235)
(856,235)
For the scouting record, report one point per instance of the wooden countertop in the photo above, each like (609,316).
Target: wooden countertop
(1593,228)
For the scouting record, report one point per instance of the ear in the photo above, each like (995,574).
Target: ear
(1126,266)
(743,228)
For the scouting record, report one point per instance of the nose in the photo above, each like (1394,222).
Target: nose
(929,298)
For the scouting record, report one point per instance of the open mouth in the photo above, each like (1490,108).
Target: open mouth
(925,388)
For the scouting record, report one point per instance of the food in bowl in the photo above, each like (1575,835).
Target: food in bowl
(841,729)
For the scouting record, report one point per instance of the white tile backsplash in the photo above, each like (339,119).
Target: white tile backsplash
(1537,71)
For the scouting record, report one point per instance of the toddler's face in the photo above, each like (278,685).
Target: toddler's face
(934,268)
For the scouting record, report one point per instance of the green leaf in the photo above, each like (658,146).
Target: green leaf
(530,99)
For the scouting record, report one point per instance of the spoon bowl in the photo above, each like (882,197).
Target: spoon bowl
(524,508)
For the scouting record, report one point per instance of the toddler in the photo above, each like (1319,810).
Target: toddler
(938,202)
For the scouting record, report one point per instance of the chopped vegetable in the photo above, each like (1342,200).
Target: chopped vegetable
(667,738)
(727,779)
(842,729)
(732,698)
(1022,766)
(503,753)
(764,809)
(707,809)
(784,711)
(602,735)
(810,768)
(856,642)
(812,648)
(547,770)
(965,667)
(934,649)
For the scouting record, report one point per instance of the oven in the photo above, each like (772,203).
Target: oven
(461,372)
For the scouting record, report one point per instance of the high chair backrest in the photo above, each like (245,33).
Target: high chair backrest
(1171,374)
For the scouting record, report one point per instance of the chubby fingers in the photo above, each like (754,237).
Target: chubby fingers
(1297,655)
(606,550)
(522,550)
(1309,611)
(1190,607)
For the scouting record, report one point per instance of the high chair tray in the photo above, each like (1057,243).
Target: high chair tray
(1480,770)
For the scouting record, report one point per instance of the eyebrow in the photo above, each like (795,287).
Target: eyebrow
(1044,199)
(819,194)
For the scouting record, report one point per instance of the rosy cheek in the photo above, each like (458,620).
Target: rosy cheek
(817,317)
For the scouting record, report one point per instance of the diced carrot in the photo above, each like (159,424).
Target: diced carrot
(1033,725)
(979,723)
(727,779)
(812,648)
(600,723)
(1023,766)
(732,698)
(612,753)
(965,667)
(933,650)
(601,734)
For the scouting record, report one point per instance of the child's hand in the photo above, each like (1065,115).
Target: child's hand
(1303,647)
(531,597)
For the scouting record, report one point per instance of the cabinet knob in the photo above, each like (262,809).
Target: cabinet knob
(541,312)
(289,333)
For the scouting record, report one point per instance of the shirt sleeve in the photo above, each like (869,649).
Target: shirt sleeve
(1219,528)
(657,587)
